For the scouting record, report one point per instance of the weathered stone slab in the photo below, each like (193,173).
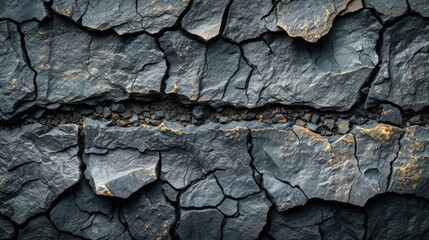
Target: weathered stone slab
(148,215)
(123,16)
(205,193)
(6,228)
(91,68)
(16,77)
(204,18)
(388,10)
(23,10)
(410,173)
(39,228)
(402,78)
(200,224)
(420,6)
(82,213)
(36,165)
(249,19)
(310,19)
(277,69)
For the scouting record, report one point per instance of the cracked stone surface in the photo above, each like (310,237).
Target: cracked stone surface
(82,213)
(90,68)
(402,78)
(204,18)
(124,17)
(231,119)
(148,214)
(23,10)
(16,77)
(36,165)
(310,20)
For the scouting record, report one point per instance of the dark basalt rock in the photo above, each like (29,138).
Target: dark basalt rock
(200,224)
(388,10)
(91,68)
(204,18)
(391,115)
(420,6)
(82,213)
(148,215)
(16,77)
(39,228)
(326,75)
(30,182)
(123,16)
(397,217)
(205,193)
(410,170)
(23,10)
(249,19)
(6,228)
(310,19)
(402,78)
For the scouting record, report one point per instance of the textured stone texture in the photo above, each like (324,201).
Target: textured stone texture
(23,10)
(390,9)
(91,68)
(402,78)
(420,6)
(6,228)
(123,16)
(36,165)
(312,23)
(16,77)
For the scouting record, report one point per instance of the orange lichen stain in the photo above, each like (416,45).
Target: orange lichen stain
(175,89)
(383,133)
(165,129)
(349,139)
(103,190)
(312,137)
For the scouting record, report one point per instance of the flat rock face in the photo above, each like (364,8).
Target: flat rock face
(388,10)
(23,10)
(249,19)
(148,214)
(200,224)
(16,77)
(82,213)
(91,67)
(402,78)
(410,169)
(204,18)
(308,19)
(277,69)
(40,228)
(123,16)
(420,6)
(30,182)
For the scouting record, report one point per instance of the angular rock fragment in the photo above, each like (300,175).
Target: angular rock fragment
(388,10)
(228,207)
(82,213)
(314,219)
(405,218)
(410,173)
(148,215)
(6,228)
(204,18)
(123,16)
(39,228)
(251,219)
(16,77)
(23,10)
(377,145)
(402,78)
(328,74)
(310,19)
(205,193)
(420,6)
(170,192)
(249,19)
(36,165)
(307,161)
(353,6)
(391,115)
(91,68)
(200,224)
(277,69)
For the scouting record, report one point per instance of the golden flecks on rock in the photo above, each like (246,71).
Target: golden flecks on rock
(103,190)
(383,133)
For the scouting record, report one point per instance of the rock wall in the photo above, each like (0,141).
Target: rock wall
(229,119)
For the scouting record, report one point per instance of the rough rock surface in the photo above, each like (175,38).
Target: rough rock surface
(36,165)
(204,18)
(390,9)
(16,77)
(312,23)
(23,10)
(420,6)
(402,78)
(90,67)
(6,228)
(123,16)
